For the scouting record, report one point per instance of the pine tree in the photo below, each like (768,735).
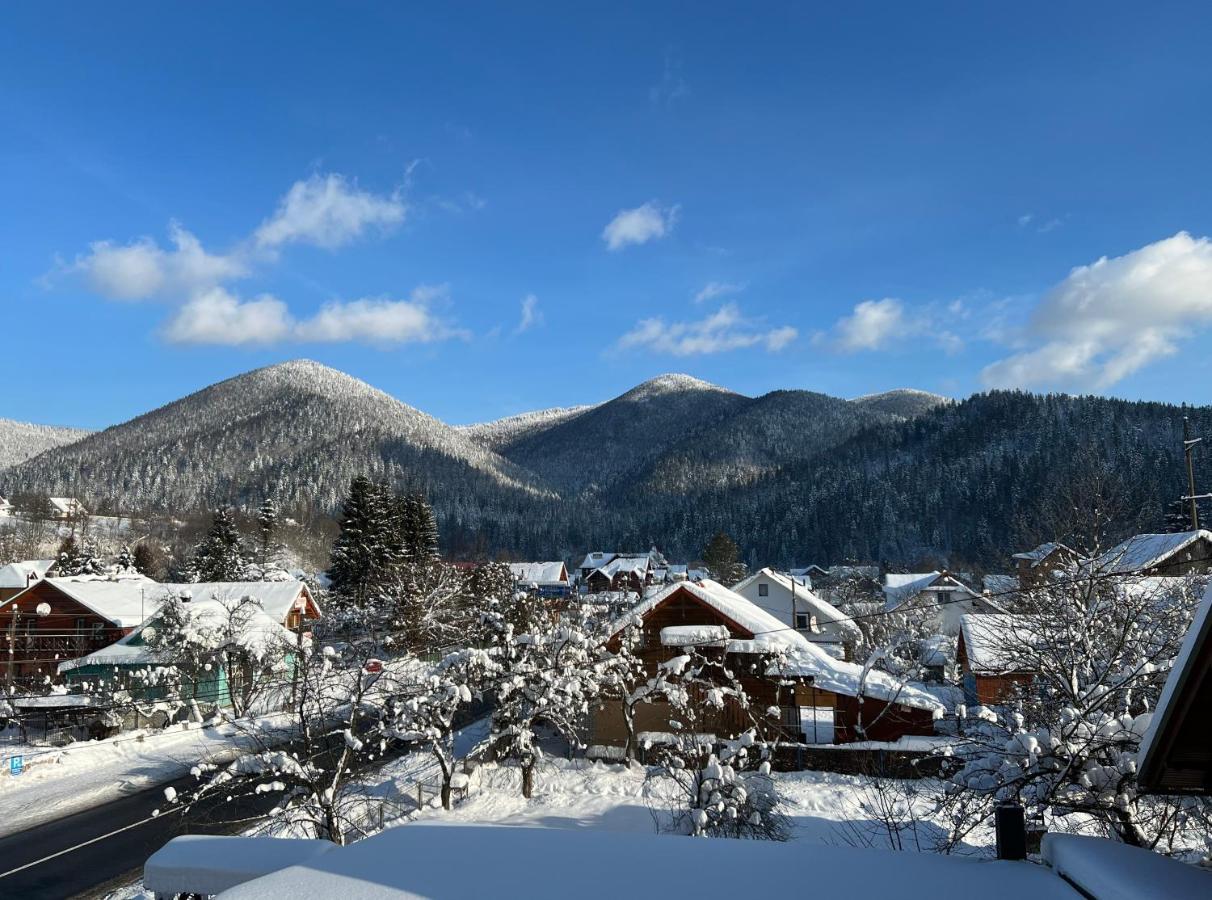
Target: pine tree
(220,556)
(722,558)
(149,560)
(124,563)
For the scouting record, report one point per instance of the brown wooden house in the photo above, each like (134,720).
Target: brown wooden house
(816,695)
(1181,553)
(61,619)
(1033,567)
(989,653)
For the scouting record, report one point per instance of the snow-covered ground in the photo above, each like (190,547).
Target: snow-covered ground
(59,782)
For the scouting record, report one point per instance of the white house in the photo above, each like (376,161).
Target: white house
(938,594)
(788,600)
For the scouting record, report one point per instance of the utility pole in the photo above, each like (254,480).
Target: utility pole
(1188,451)
(12,648)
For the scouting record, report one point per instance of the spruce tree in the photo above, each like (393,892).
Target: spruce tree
(722,558)
(361,551)
(220,556)
(149,560)
(267,529)
(76,559)
(124,563)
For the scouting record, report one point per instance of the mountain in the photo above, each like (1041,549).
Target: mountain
(794,476)
(20,441)
(602,446)
(904,402)
(504,432)
(298,431)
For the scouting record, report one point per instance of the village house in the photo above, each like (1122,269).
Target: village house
(989,653)
(61,619)
(66,508)
(1033,567)
(816,695)
(622,573)
(1180,553)
(547,579)
(787,599)
(284,608)
(942,596)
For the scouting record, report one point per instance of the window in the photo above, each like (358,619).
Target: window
(763,589)
(802,622)
(944,596)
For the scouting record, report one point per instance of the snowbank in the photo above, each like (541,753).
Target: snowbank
(1113,871)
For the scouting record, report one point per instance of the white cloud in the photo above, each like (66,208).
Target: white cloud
(143,270)
(640,225)
(883,324)
(725,329)
(1108,319)
(531,314)
(713,290)
(1025,219)
(379,321)
(328,211)
(217,317)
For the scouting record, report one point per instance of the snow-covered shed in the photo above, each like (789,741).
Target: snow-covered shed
(791,602)
(991,652)
(66,507)
(1176,753)
(1180,553)
(822,707)
(943,596)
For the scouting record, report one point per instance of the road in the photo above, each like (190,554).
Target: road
(108,844)
(105,844)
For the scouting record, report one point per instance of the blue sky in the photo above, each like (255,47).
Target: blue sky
(843,200)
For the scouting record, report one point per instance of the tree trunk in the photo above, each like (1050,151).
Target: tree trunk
(527,779)
(1126,829)
(446,804)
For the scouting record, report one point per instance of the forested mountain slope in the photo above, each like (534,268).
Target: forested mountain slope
(20,441)
(298,431)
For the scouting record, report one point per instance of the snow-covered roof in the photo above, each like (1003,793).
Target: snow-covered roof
(1112,870)
(1000,584)
(696,635)
(803,658)
(1143,551)
(539,572)
(210,864)
(661,866)
(595,559)
(127,602)
(900,587)
(66,505)
(826,613)
(1182,679)
(994,643)
(16,575)
(625,565)
(209,619)
(1040,553)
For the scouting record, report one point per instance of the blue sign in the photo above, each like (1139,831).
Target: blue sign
(16,765)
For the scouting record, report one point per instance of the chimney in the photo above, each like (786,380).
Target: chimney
(1011,826)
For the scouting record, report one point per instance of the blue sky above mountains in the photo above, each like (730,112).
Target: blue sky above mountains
(493,208)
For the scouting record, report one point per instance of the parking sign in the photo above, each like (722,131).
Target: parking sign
(16,765)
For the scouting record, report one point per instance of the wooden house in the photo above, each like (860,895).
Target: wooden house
(1033,567)
(1180,553)
(622,573)
(61,619)
(16,577)
(816,695)
(989,653)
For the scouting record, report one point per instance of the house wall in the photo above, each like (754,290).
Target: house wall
(778,603)
(42,642)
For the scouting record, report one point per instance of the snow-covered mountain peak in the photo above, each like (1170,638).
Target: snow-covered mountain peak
(906,402)
(671,383)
